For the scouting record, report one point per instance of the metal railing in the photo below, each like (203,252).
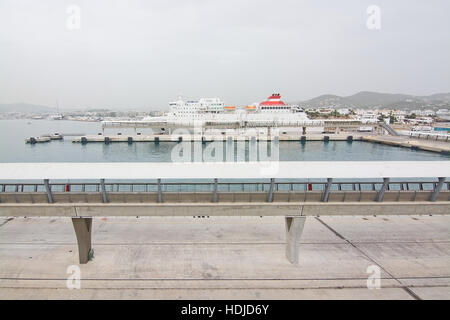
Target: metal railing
(234,123)
(216,186)
(221,186)
(425,178)
(430,136)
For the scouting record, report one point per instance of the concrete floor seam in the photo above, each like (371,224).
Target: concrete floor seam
(412,294)
(6,221)
(215,243)
(218,288)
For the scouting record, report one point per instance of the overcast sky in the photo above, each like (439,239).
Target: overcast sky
(142,54)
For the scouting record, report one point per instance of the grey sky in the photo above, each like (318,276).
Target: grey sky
(142,54)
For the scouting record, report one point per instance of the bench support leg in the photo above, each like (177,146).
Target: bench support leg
(83,228)
(294,230)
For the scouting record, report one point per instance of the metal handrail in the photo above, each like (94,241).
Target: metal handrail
(257,186)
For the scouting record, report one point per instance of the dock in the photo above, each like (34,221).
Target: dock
(439,146)
(410,142)
(33,140)
(215,137)
(44,138)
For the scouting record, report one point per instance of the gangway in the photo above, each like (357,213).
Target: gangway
(389,129)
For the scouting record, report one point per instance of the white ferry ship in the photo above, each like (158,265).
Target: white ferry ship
(272,109)
(214,114)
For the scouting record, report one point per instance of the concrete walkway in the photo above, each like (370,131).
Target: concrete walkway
(227,258)
(408,142)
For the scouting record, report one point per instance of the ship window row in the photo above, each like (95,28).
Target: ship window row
(277,108)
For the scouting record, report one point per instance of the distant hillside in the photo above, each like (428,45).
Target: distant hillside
(25,108)
(367,99)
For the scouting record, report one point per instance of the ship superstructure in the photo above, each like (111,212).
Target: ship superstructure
(195,108)
(274,104)
(213,108)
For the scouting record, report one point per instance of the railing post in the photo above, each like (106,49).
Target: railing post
(83,231)
(294,230)
(159,190)
(326,192)
(215,190)
(102,184)
(49,191)
(437,189)
(383,189)
(270,195)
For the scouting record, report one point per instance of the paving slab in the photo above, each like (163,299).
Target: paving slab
(392,228)
(164,230)
(225,294)
(227,258)
(181,261)
(403,260)
(432,293)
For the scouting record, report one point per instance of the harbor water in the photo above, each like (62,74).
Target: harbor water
(14,132)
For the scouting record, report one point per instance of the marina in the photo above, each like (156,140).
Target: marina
(236,152)
(209,120)
(259,186)
(12,133)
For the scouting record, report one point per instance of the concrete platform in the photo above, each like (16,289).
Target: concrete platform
(215,137)
(408,142)
(227,258)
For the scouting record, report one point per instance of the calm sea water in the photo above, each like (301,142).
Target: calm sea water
(14,149)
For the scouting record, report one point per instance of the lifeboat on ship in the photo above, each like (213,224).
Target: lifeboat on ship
(250,108)
(230,108)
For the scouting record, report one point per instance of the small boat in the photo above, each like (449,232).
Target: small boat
(53,136)
(56,136)
(33,140)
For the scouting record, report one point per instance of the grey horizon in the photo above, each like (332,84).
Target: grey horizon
(140,55)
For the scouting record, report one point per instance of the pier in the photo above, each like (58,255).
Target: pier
(215,137)
(155,239)
(432,145)
(440,146)
(294,200)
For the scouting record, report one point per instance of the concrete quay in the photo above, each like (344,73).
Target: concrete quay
(228,258)
(215,137)
(413,143)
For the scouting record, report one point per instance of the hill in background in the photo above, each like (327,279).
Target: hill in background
(367,99)
(364,99)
